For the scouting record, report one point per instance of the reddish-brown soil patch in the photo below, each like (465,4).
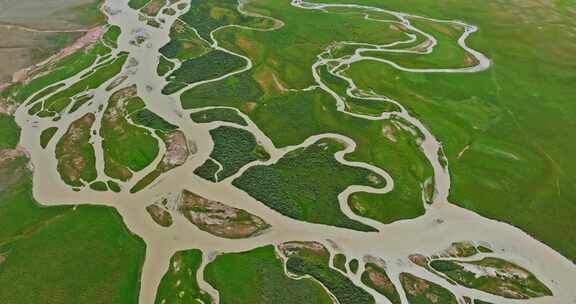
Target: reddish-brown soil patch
(75,153)
(219,219)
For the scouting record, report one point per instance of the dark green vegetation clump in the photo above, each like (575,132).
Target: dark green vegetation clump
(164,66)
(220,114)
(137,4)
(257,276)
(47,135)
(208,15)
(421,291)
(208,170)
(305,184)
(476,301)
(484,249)
(99,186)
(208,66)
(339,261)
(145,181)
(181,279)
(513,282)
(376,278)
(233,148)
(353,265)
(151,120)
(113,186)
(316,264)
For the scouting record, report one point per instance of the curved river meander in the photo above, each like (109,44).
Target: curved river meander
(442,223)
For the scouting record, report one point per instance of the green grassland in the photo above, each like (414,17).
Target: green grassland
(257,276)
(509,115)
(235,90)
(181,279)
(127,147)
(233,148)
(355,105)
(220,114)
(293,117)
(63,254)
(446,54)
(290,51)
(516,168)
(110,38)
(290,117)
(9,132)
(305,183)
(98,261)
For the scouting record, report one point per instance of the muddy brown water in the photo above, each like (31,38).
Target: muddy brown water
(442,224)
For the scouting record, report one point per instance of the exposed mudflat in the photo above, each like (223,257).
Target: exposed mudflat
(45,14)
(30,26)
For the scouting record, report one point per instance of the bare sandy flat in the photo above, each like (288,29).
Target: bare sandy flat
(45,14)
(29,28)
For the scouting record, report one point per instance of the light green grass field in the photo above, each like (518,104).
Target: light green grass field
(257,276)
(514,116)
